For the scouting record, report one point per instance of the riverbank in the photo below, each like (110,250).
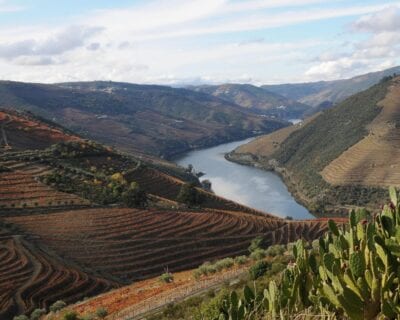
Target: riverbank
(291,183)
(249,186)
(271,166)
(174,155)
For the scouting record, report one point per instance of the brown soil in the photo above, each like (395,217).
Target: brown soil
(375,160)
(265,146)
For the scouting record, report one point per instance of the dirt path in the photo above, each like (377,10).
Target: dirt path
(138,311)
(148,296)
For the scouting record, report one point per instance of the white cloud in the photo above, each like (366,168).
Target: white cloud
(335,69)
(192,18)
(263,4)
(70,38)
(35,61)
(383,21)
(10,50)
(157,42)
(93,46)
(379,50)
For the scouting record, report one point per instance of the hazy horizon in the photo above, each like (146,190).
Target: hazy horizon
(181,43)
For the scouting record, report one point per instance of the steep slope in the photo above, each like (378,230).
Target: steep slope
(154,120)
(375,160)
(265,146)
(66,232)
(348,152)
(18,132)
(329,92)
(256,99)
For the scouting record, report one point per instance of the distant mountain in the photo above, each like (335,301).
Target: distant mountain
(346,156)
(256,99)
(329,92)
(155,120)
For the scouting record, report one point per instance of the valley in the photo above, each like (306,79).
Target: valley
(80,217)
(67,231)
(147,119)
(200,160)
(337,156)
(250,186)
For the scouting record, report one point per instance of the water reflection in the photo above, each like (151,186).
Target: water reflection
(247,185)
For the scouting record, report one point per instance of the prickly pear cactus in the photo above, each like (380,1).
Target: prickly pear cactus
(354,274)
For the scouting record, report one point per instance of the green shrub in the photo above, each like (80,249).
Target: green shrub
(240,260)
(211,269)
(207,268)
(258,254)
(275,250)
(134,196)
(101,312)
(197,274)
(256,243)
(21,317)
(167,277)
(58,305)
(224,264)
(189,195)
(37,313)
(277,267)
(258,270)
(174,311)
(71,315)
(211,310)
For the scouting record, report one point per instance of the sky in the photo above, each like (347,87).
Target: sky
(181,42)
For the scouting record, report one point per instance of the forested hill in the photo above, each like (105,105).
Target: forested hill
(256,99)
(155,120)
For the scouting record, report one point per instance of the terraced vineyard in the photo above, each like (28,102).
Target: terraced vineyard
(58,241)
(132,244)
(345,157)
(30,278)
(375,160)
(20,132)
(168,187)
(21,190)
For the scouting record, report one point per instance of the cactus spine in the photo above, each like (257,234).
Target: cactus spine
(355,273)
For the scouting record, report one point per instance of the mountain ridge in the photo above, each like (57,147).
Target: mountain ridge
(155,120)
(317,93)
(255,99)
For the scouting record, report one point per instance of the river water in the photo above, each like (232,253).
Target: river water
(250,186)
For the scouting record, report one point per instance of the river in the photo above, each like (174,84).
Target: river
(250,186)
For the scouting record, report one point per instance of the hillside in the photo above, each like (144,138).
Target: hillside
(350,273)
(265,146)
(329,92)
(68,230)
(19,132)
(346,156)
(154,120)
(256,99)
(374,160)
